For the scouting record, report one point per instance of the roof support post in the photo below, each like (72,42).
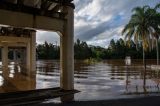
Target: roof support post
(67,51)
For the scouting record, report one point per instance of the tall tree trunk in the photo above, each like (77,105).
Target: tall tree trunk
(144,63)
(143,56)
(157,51)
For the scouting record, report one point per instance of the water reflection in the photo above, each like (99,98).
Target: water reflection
(14,78)
(47,74)
(96,80)
(112,79)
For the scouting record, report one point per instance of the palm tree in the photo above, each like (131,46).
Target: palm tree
(139,28)
(155,24)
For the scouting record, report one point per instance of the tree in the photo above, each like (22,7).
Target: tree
(112,44)
(142,25)
(155,21)
(48,51)
(139,28)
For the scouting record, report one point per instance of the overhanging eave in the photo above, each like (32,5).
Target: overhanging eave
(24,20)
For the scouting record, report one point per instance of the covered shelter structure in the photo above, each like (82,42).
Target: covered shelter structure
(20,20)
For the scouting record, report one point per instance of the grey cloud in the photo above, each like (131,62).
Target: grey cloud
(81,4)
(92,32)
(119,10)
(108,7)
(88,33)
(50,37)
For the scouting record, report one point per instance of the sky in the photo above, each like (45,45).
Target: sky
(98,21)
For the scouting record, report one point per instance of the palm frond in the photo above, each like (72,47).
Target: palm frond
(143,22)
(157,6)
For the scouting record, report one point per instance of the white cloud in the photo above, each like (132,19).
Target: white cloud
(104,38)
(98,21)
(51,37)
(91,9)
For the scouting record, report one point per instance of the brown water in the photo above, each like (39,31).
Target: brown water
(109,79)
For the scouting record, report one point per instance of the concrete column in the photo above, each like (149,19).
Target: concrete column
(31,53)
(28,57)
(5,56)
(67,51)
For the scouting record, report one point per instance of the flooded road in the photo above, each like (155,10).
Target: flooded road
(110,79)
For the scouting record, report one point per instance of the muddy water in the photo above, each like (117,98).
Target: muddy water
(96,80)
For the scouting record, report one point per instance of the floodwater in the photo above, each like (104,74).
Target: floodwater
(110,79)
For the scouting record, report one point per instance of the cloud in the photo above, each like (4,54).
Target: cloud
(102,20)
(104,38)
(51,37)
(99,21)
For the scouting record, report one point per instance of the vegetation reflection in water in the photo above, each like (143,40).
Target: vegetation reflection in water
(95,80)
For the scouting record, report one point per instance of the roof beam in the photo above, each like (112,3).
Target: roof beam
(56,8)
(30,10)
(61,1)
(14,39)
(13,44)
(24,20)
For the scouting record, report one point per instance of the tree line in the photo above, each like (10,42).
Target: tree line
(117,49)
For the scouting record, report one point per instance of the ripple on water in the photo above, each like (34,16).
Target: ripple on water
(101,80)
